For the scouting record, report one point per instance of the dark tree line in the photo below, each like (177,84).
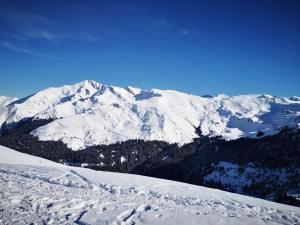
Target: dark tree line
(188,163)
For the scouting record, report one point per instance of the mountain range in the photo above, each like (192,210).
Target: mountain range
(89,113)
(247,144)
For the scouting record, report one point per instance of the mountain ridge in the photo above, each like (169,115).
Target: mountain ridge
(89,113)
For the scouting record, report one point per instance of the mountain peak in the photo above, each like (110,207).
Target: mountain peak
(89,113)
(91,83)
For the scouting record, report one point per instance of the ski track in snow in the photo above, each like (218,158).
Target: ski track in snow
(48,195)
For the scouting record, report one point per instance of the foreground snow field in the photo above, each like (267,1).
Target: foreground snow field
(37,191)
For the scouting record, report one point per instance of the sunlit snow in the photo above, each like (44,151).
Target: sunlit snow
(37,191)
(89,113)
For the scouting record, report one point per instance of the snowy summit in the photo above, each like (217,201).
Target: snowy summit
(89,113)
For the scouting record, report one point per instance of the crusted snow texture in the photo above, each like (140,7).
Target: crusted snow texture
(89,113)
(37,191)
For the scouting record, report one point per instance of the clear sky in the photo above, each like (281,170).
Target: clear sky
(199,47)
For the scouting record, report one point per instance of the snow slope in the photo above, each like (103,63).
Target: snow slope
(89,113)
(4,101)
(37,191)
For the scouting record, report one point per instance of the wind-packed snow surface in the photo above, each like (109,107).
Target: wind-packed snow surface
(89,113)
(37,191)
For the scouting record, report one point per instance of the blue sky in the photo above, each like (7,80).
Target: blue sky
(199,47)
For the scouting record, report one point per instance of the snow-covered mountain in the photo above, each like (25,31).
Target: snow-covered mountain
(4,101)
(89,113)
(37,191)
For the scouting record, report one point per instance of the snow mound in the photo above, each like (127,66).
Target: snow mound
(35,190)
(89,113)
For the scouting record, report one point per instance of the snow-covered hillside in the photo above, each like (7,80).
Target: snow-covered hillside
(37,191)
(89,113)
(4,101)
